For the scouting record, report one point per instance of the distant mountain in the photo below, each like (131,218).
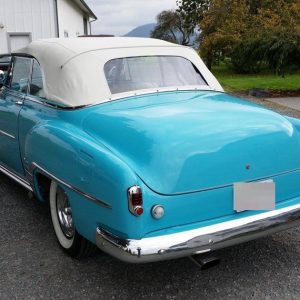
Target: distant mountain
(141,31)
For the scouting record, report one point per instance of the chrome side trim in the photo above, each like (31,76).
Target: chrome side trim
(7,134)
(200,240)
(16,178)
(70,186)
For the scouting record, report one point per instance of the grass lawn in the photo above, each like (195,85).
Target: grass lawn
(244,82)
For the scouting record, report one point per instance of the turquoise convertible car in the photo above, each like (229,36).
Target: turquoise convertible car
(138,150)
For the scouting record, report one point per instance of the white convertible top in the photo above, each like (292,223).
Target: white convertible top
(73,69)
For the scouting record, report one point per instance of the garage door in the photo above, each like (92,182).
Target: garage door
(18,40)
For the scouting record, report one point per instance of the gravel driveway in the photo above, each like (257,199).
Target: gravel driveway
(33,267)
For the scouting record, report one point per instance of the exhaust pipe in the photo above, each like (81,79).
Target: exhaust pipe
(205,262)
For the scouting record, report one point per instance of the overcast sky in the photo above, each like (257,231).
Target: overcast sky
(118,17)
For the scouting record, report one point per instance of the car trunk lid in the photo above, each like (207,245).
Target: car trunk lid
(184,142)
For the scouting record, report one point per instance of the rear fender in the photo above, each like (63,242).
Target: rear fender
(94,178)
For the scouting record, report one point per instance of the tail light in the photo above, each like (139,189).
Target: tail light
(135,200)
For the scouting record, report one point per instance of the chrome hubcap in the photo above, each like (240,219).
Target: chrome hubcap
(64,213)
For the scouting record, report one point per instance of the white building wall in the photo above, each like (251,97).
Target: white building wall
(37,17)
(70,19)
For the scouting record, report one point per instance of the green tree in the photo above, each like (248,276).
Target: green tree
(222,29)
(251,34)
(272,39)
(279,33)
(170,27)
(192,12)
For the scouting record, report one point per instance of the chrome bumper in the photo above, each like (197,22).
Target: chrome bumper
(201,240)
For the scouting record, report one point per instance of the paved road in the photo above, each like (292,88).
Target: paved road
(291,102)
(33,267)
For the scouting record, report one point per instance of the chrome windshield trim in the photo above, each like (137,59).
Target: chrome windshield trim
(70,186)
(7,134)
(16,178)
(200,240)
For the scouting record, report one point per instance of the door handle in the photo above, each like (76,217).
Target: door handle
(19,102)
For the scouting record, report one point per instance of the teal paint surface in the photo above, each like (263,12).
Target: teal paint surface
(185,149)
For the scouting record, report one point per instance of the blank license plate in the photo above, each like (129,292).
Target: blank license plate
(254,195)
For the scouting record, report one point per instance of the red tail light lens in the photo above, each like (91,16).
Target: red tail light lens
(138,211)
(135,200)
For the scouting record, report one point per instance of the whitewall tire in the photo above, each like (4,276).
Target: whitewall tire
(63,224)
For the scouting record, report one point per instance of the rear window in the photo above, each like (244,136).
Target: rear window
(150,72)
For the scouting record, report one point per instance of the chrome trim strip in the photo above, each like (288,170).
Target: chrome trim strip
(48,104)
(200,240)
(17,178)
(115,98)
(151,91)
(7,134)
(70,186)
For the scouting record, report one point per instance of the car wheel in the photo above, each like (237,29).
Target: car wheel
(68,238)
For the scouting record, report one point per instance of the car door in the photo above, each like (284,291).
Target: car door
(11,100)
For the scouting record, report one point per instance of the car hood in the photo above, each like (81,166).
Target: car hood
(191,141)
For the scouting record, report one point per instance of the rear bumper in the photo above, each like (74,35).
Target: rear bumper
(201,240)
